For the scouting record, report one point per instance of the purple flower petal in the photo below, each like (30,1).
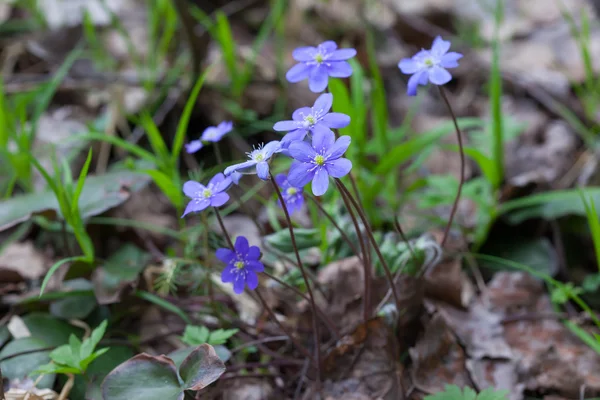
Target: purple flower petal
(292,136)
(318,78)
(229,274)
(322,141)
(191,188)
(320,182)
(339,147)
(439,76)
(235,177)
(302,151)
(253,253)
(239,282)
(241,245)
(439,47)
(300,113)
(251,280)
(281,181)
(336,120)
(223,185)
(218,178)
(225,126)
(300,174)
(193,146)
(211,134)
(241,167)
(408,66)
(341,55)
(286,126)
(304,53)
(338,168)
(225,255)
(218,199)
(320,129)
(271,148)
(329,46)
(255,266)
(298,72)
(323,104)
(262,170)
(339,69)
(413,82)
(450,60)
(196,206)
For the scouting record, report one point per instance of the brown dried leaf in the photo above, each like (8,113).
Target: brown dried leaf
(438,358)
(24,259)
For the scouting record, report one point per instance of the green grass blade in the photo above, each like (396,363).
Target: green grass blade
(228,48)
(359,108)
(54,268)
(80,183)
(155,138)
(380,111)
(154,299)
(185,118)
(496,97)
(594,223)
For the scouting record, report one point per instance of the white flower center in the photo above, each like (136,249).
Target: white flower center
(239,264)
(320,160)
(291,191)
(206,193)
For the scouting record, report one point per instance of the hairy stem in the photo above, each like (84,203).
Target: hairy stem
(462,165)
(304,276)
(386,268)
(403,236)
(365,259)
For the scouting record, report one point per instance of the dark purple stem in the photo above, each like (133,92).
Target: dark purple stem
(462,165)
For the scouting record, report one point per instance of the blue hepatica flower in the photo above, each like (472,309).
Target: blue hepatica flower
(319,161)
(258,162)
(202,196)
(430,65)
(243,265)
(210,134)
(319,63)
(311,119)
(292,196)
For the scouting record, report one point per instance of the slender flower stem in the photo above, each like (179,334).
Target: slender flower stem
(262,300)
(462,165)
(222,224)
(335,224)
(365,258)
(304,276)
(363,217)
(324,317)
(403,236)
(300,347)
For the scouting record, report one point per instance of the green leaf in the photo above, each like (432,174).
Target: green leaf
(342,104)
(21,366)
(89,345)
(195,335)
(486,164)
(55,268)
(220,336)
(100,193)
(305,238)
(228,47)
(78,307)
(63,355)
(201,368)
(51,330)
(143,377)
(180,354)
(155,138)
(453,392)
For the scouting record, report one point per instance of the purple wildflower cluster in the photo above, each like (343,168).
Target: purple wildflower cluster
(310,141)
